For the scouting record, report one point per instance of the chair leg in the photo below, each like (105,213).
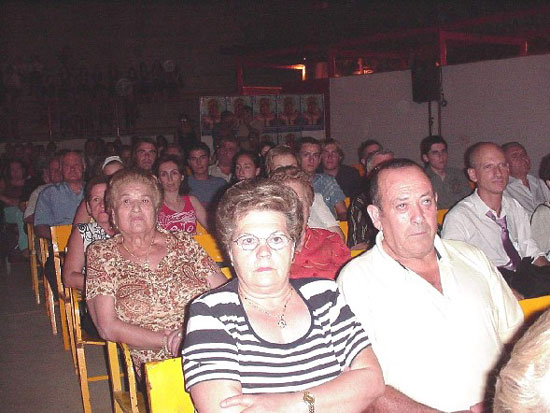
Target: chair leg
(72,342)
(83,376)
(50,306)
(34,277)
(114,373)
(63,320)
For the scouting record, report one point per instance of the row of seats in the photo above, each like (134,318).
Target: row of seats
(164,379)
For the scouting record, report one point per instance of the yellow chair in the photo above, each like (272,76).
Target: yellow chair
(441,215)
(210,245)
(347,202)
(81,339)
(60,237)
(355,253)
(48,294)
(532,307)
(166,387)
(124,401)
(227,272)
(200,229)
(344,228)
(35,266)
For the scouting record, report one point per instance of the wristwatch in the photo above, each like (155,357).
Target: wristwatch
(309,399)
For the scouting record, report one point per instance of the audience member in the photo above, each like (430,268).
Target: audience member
(245,340)
(247,165)
(179,211)
(98,229)
(540,220)
(364,150)
(52,175)
(450,184)
(12,198)
(185,135)
(225,152)
(437,311)
(346,176)
(202,185)
(361,230)
(525,188)
(320,253)
(57,203)
(309,156)
(111,165)
(121,271)
(249,130)
(498,224)
(174,149)
(225,128)
(522,384)
(145,154)
(320,215)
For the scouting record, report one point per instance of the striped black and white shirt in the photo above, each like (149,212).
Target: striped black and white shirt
(221,344)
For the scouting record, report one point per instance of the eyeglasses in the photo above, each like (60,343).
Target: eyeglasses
(276,241)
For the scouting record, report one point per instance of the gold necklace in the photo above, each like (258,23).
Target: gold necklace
(145,261)
(281,321)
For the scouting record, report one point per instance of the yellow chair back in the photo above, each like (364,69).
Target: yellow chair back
(531,307)
(200,229)
(35,266)
(209,244)
(166,387)
(344,228)
(347,202)
(441,215)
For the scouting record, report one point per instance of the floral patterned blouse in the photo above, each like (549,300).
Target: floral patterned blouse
(155,299)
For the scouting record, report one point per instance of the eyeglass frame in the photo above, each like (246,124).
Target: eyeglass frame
(259,239)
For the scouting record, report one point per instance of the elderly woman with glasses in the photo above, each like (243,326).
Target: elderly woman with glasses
(264,342)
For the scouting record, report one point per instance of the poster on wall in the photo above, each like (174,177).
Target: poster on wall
(281,119)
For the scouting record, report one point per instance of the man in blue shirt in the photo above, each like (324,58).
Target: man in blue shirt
(308,152)
(57,203)
(202,185)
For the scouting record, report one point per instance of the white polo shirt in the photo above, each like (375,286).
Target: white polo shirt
(437,349)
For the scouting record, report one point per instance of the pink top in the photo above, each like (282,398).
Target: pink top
(184,220)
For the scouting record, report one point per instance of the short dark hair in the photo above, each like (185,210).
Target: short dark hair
(374,179)
(364,144)
(139,141)
(198,146)
(252,155)
(544,170)
(428,141)
(509,145)
(96,180)
(306,140)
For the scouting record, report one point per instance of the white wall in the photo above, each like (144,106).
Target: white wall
(499,100)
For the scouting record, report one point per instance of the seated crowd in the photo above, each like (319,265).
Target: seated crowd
(419,322)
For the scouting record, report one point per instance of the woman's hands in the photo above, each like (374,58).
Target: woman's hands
(173,341)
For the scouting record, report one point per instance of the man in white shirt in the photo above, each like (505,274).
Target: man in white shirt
(487,217)
(527,189)
(438,313)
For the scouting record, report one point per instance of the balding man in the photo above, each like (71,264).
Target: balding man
(498,224)
(438,312)
(525,188)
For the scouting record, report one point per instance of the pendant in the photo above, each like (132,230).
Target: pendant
(281,323)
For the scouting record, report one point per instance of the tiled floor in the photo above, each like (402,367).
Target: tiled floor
(36,373)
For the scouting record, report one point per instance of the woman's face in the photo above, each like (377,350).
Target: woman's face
(134,211)
(96,204)
(245,168)
(170,176)
(262,270)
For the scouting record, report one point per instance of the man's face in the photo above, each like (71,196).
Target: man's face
(198,161)
(490,170)
(227,151)
(310,157)
(54,171)
(518,161)
(330,157)
(437,157)
(408,212)
(367,150)
(146,154)
(72,168)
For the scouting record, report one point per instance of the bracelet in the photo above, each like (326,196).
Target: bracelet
(165,343)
